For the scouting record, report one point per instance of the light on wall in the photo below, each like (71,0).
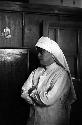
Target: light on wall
(11,54)
(6,33)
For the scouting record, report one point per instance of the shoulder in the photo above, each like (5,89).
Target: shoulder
(38,70)
(61,71)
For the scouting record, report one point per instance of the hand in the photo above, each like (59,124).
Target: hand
(34,92)
(31,90)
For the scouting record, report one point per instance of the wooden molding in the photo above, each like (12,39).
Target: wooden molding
(38,8)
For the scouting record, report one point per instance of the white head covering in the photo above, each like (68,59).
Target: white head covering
(52,47)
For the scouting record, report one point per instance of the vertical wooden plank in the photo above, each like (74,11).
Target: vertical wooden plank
(67,40)
(53,33)
(45,28)
(32,30)
(80,52)
(13,21)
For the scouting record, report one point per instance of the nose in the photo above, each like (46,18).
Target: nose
(39,54)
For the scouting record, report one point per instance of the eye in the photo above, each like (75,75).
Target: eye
(41,51)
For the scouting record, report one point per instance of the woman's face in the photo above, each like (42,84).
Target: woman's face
(44,57)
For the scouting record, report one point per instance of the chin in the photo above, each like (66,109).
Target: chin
(42,63)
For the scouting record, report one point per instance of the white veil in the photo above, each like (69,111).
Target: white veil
(52,47)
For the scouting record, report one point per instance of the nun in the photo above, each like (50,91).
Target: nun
(49,89)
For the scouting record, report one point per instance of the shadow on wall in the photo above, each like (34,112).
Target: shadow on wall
(33,60)
(13,109)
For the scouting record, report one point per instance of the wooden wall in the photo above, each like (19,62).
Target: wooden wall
(13,74)
(14,22)
(27,23)
(72,3)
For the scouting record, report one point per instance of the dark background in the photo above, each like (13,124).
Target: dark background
(65,27)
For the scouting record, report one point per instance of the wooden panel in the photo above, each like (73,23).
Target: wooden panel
(13,21)
(52,33)
(67,40)
(49,2)
(33,27)
(14,72)
(73,3)
(33,60)
(71,60)
(80,42)
(80,52)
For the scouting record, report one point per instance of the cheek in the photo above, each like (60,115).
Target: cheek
(44,57)
(47,57)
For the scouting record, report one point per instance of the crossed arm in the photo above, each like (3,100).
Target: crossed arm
(46,96)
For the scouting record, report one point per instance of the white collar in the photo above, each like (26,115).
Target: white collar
(50,67)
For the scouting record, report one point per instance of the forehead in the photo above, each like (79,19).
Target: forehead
(42,51)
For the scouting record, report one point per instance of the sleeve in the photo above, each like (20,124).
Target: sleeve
(36,98)
(27,87)
(50,97)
